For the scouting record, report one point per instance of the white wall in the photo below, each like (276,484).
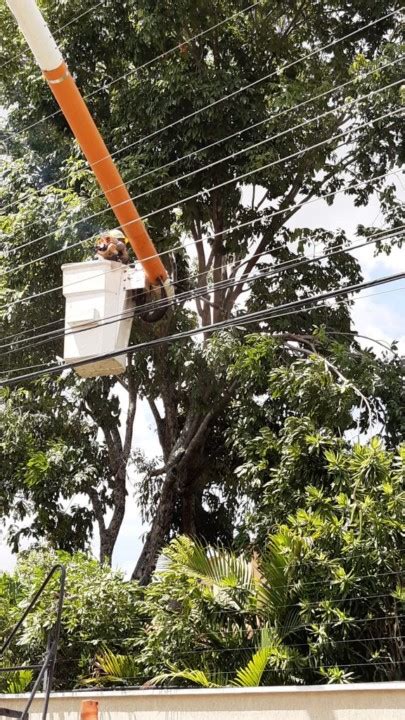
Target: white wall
(369,701)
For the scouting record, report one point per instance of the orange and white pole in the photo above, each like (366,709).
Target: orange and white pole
(67,94)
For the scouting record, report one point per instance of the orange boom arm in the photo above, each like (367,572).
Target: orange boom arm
(85,131)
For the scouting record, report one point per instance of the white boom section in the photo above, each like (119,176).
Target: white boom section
(37,33)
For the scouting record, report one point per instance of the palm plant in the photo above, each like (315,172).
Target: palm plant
(255,592)
(114,669)
(269,655)
(18,681)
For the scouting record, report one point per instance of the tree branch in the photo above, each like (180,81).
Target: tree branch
(132,402)
(341,377)
(97,507)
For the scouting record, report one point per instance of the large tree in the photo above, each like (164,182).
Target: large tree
(187,385)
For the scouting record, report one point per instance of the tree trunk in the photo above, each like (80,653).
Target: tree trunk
(157,535)
(119,452)
(178,479)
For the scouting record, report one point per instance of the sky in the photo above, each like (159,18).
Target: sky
(378,313)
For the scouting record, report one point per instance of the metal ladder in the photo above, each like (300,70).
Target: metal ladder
(46,667)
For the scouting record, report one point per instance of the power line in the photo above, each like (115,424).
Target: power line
(329,641)
(208,191)
(248,318)
(275,336)
(273,116)
(181,246)
(371,663)
(334,42)
(249,223)
(208,166)
(195,293)
(229,95)
(160,57)
(384,234)
(243,648)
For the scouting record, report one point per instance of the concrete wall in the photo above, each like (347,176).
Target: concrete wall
(382,701)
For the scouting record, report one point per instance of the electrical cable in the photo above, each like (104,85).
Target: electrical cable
(270,118)
(248,223)
(232,611)
(326,642)
(384,234)
(372,662)
(275,336)
(208,191)
(191,173)
(240,321)
(229,95)
(106,86)
(213,235)
(195,293)
(245,648)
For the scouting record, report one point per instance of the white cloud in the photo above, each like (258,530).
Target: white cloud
(373,265)
(381,317)
(7,558)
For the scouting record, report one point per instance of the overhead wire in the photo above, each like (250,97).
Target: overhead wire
(239,648)
(196,171)
(211,236)
(208,191)
(252,648)
(303,311)
(371,663)
(240,132)
(195,293)
(107,85)
(204,191)
(273,73)
(241,321)
(389,233)
(275,336)
(336,621)
(242,648)
(359,640)
(235,92)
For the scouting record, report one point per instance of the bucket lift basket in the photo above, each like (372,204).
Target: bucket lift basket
(98,316)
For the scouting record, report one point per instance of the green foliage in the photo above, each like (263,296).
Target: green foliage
(114,669)
(41,213)
(16,682)
(100,607)
(326,591)
(45,470)
(305,408)
(320,600)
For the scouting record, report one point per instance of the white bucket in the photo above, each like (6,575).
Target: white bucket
(98,314)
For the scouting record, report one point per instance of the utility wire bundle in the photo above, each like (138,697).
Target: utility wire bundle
(304,304)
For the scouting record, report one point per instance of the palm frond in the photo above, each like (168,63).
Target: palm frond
(251,675)
(275,565)
(113,668)
(220,568)
(291,622)
(198,677)
(19,681)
